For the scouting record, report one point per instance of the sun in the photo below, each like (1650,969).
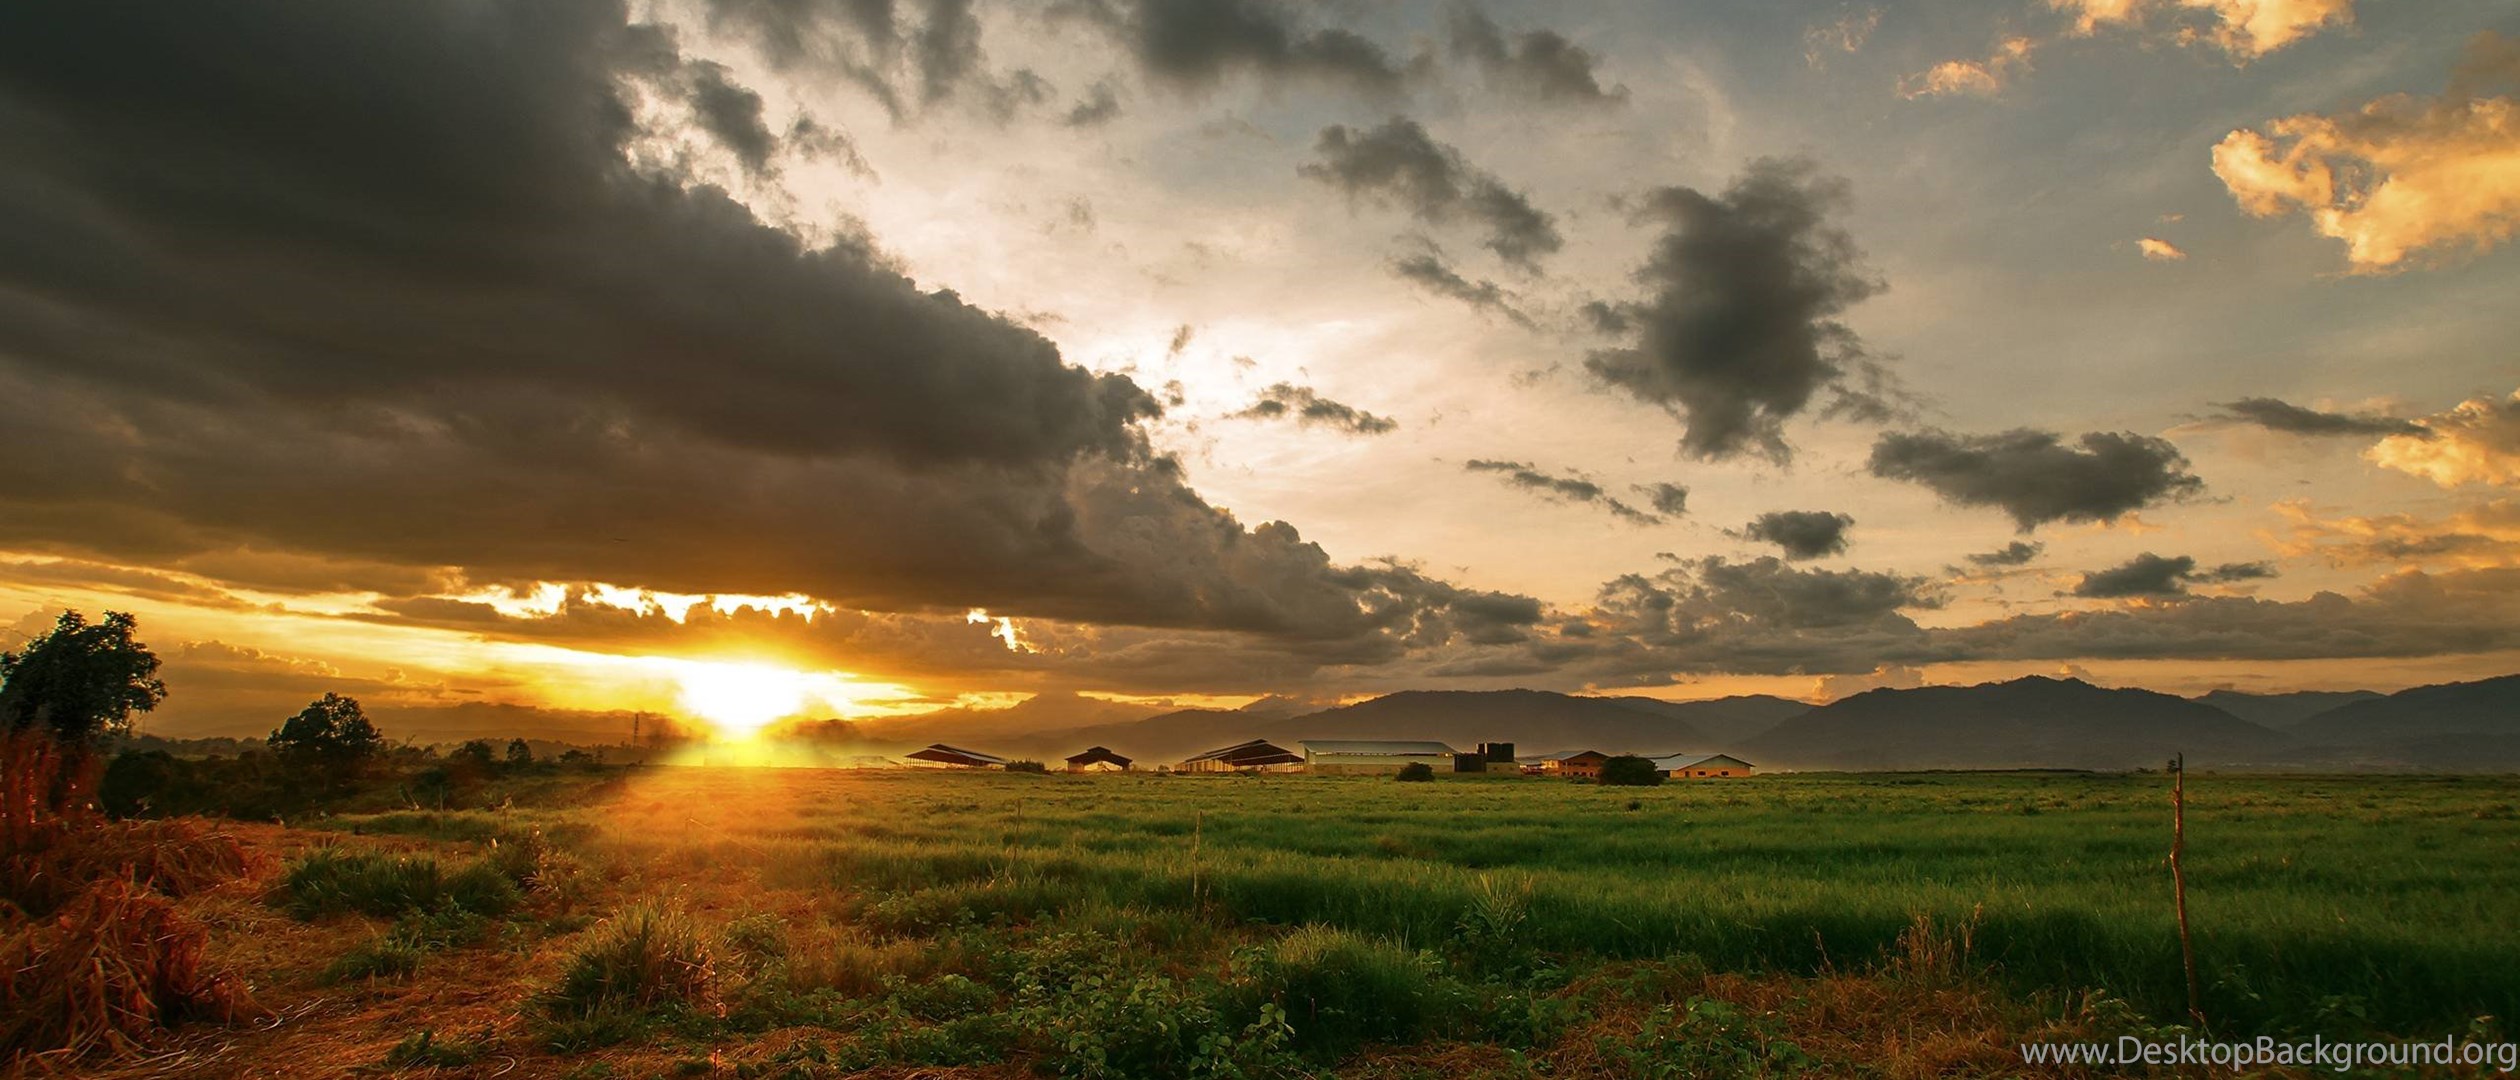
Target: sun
(741,699)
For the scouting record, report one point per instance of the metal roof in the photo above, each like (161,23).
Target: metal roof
(1097,753)
(1377,747)
(1675,762)
(1241,749)
(942,750)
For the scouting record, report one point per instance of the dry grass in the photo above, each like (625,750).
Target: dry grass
(105,974)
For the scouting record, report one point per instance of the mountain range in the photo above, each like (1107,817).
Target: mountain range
(2032,722)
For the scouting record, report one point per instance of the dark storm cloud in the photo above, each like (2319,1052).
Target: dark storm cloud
(2035,477)
(1540,64)
(1739,330)
(933,58)
(1399,164)
(2291,419)
(2156,576)
(1529,478)
(1194,45)
(731,114)
(2017,553)
(459,331)
(1428,270)
(2407,614)
(1801,534)
(1669,500)
(1308,408)
(1101,106)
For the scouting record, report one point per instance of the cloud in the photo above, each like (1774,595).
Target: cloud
(2159,250)
(732,115)
(2017,553)
(1540,64)
(1101,106)
(1845,35)
(1285,400)
(1802,534)
(1884,677)
(2291,419)
(1739,330)
(1669,500)
(2401,177)
(2035,477)
(467,333)
(1974,78)
(931,60)
(2407,614)
(2246,29)
(2150,575)
(1429,270)
(1398,163)
(2484,535)
(2476,442)
(1195,45)
(1572,488)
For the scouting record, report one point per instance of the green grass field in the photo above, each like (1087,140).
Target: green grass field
(1060,925)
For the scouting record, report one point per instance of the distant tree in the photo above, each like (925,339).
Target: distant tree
(474,754)
(1628,770)
(79,682)
(332,734)
(1027,766)
(518,753)
(1416,772)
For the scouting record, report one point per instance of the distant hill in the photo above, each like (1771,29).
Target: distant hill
(1039,714)
(2026,723)
(2427,713)
(1535,721)
(2282,711)
(1726,722)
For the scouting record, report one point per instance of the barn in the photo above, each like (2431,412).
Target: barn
(1579,764)
(1702,766)
(954,757)
(1097,759)
(1351,757)
(1258,755)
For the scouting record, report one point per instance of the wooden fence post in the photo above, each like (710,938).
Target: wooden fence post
(2178,883)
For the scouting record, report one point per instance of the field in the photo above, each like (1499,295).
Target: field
(817,923)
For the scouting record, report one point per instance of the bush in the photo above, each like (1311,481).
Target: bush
(1340,989)
(331,881)
(648,957)
(1027,766)
(1628,770)
(1416,772)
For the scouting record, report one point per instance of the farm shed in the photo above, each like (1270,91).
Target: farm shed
(1581,764)
(954,757)
(1097,759)
(1337,757)
(1258,755)
(1701,766)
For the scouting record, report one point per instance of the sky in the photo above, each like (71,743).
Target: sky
(520,364)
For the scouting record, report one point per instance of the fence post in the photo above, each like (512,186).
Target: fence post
(2178,883)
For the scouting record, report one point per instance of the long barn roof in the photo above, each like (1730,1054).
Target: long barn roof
(1377,747)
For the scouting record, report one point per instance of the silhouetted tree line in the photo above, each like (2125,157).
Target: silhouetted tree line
(68,697)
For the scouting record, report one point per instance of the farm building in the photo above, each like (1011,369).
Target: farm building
(1258,755)
(1580,764)
(1335,757)
(954,757)
(1097,759)
(1701,766)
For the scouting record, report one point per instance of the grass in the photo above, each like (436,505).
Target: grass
(823,923)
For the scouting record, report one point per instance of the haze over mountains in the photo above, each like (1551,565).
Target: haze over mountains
(2030,722)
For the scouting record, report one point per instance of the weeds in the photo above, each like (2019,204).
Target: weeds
(332,881)
(649,957)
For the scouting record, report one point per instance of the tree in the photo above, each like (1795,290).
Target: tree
(1416,771)
(333,734)
(519,754)
(81,681)
(1628,770)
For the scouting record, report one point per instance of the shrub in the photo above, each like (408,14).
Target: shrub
(1628,770)
(1340,988)
(1416,772)
(331,881)
(648,957)
(1027,767)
